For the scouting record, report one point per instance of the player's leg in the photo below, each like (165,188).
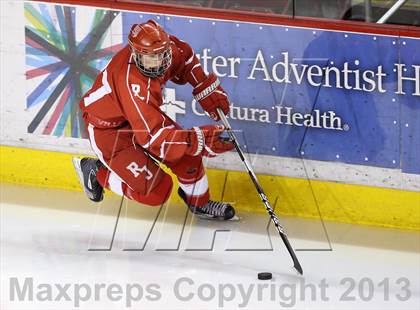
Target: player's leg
(125,169)
(192,179)
(132,174)
(194,189)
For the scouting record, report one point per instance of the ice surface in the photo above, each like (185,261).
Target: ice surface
(120,254)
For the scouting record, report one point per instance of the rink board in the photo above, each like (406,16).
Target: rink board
(361,130)
(290,196)
(304,93)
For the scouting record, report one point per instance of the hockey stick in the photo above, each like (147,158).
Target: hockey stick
(260,191)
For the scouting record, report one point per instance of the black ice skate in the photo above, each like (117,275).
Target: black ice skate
(86,169)
(212,210)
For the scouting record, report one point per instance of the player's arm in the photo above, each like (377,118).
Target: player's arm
(98,104)
(188,68)
(167,141)
(170,143)
(207,88)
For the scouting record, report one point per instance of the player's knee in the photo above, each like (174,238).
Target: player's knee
(160,194)
(156,196)
(145,183)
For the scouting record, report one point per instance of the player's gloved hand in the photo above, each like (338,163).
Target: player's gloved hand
(212,96)
(206,141)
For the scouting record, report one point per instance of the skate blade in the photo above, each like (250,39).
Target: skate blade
(235,218)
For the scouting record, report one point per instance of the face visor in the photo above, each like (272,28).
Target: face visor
(153,65)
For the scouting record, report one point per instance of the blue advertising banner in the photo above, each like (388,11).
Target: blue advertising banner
(295,92)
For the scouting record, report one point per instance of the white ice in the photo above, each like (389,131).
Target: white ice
(63,249)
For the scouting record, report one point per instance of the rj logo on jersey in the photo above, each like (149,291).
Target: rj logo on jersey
(135,88)
(134,168)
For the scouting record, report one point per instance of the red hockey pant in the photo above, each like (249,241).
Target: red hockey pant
(131,172)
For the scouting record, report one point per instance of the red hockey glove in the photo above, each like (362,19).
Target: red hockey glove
(212,96)
(206,141)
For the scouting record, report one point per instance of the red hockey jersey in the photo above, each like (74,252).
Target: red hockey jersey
(122,94)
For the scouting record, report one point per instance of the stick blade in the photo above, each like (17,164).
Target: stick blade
(298,268)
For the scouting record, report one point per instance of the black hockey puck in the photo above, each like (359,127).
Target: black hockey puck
(265,276)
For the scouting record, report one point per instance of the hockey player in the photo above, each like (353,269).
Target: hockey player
(130,134)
